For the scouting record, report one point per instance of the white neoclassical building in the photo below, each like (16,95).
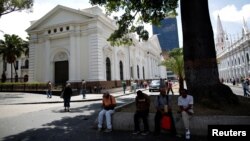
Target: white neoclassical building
(70,45)
(233,53)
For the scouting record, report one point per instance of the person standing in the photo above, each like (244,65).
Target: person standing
(108,104)
(124,85)
(142,102)
(163,107)
(185,103)
(245,85)
(49,91)
(83,89)
(67,93)
(170,87)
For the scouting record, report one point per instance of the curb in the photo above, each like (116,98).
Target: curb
(83,100)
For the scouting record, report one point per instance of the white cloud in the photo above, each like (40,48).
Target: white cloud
(231,14)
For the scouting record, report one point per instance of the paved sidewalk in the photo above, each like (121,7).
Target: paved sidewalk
(8,98)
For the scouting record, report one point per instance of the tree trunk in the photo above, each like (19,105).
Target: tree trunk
(200,65)
(181,83)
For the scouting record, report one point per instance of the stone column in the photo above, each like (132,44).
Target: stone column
(78,55)
(96,69)
(72,60)
(115,65)
(32,60)
(47,60)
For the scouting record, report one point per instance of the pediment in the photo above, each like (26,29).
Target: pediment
(60,15)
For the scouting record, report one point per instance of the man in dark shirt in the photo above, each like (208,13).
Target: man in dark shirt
(142,102)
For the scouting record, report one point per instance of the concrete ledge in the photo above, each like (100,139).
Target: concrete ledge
(198,124)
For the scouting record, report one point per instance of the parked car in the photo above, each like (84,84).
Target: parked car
(154,85)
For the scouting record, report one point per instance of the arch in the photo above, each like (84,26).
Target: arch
(61,66)
(143,73)
(108,69)
(26,63)
(121,70)
(138,72)
(60,56)
(26,78)
(247,58)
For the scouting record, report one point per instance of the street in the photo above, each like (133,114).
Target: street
(20,120)
(34,122)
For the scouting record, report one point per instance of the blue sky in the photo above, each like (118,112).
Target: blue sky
(231,14)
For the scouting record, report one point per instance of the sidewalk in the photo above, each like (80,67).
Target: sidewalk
(9,98)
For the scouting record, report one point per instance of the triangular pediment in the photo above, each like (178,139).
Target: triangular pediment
(60,15)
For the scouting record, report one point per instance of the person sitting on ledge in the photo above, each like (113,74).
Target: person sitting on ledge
(108,104)
(185,103)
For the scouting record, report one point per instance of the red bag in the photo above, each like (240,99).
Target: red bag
(166,122)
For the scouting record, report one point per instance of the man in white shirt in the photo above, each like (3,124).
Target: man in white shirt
(185,102)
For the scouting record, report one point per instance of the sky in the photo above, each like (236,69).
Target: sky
(231,13)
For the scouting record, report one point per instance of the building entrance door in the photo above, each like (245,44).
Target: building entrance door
(61,72)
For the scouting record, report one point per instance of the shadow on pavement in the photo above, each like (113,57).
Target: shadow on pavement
(81,128)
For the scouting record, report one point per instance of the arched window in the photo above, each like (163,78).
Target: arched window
(143,71)
(26,78)
(138,72)
(108,69)
(247,58)
(121,70)
(26,64)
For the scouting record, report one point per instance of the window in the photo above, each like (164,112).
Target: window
(55,30)
(67,28)
(5,66)
(247,58)
(49,31)
(16,65)
(143,72)
(121,70)
(138,72)
(131,72)
(26,64)
(61,29)
(108,69)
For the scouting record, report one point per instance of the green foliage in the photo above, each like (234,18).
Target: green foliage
(175,63)
(135,13)
(22,83)
(8,6)
(12,47)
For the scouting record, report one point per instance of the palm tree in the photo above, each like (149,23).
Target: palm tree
(175,63)
(11,49)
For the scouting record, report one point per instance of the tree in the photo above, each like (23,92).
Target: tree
(11,49)
(175,63)
(201,70)
(8,6)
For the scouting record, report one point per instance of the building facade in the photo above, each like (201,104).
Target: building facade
(233,53)
(167,33)
(70,45)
